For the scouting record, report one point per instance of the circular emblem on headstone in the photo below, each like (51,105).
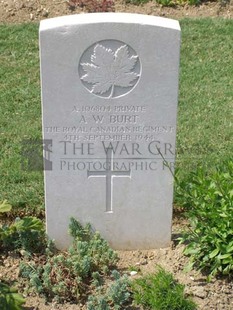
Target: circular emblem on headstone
(109,69)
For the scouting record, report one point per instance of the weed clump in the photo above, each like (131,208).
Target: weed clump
(69,276)
(160,291)
(26,234)
(113,297)
(208,201)
(9,298)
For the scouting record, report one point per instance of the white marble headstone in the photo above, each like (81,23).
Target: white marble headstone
(109,94)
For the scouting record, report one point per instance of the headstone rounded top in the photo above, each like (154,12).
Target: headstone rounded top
(128,18)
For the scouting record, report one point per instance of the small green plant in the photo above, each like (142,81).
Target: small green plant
(194,2)
(5,206)
(209,205)
(27,233)
(160,291)
(134,268)
(136,2)
(98,303)
(114,297)
(166,2)
(118,293)
(67,275)
(9,298)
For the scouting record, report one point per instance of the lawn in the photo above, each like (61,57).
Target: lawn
(204,135)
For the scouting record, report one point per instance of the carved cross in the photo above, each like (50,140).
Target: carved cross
(109,173)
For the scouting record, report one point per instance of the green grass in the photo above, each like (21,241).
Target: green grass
(20,113)
(205,130)
(160,291)
(205,103)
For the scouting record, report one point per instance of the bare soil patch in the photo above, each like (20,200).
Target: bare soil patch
(214,295)
(18,11)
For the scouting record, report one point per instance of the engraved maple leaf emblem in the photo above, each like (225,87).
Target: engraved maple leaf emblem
(109,69)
